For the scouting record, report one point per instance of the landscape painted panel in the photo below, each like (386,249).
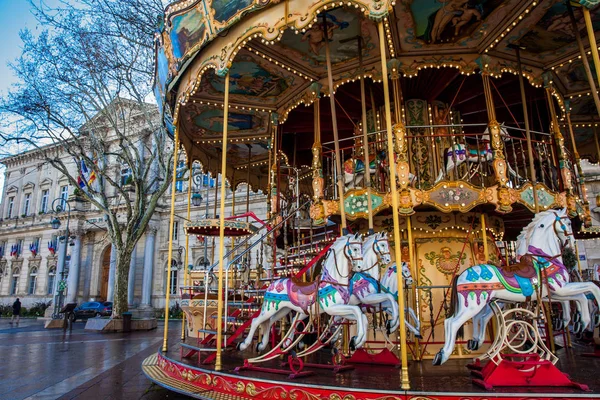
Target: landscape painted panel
(553,30)
(340,25)
(443,21)
(225,9)
(187,30)
(212,120)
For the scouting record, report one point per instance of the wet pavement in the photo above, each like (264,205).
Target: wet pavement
(54,364)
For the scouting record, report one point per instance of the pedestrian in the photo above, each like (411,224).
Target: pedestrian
(16,311)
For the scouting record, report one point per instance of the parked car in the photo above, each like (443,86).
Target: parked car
(92,309)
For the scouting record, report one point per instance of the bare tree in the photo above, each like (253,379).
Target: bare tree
(83,87)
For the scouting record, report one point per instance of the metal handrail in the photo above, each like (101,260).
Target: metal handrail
(247,239)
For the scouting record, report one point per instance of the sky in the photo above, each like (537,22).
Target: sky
(14,17)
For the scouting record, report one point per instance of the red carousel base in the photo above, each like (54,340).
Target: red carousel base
(522,370)
(384,357)
(364,382)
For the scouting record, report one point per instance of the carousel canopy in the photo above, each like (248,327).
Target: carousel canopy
(274,53)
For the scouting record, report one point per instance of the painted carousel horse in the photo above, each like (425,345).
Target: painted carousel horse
(460,153)
(365,285)
(328,294)
(354,171)
(389,284)
(545,238)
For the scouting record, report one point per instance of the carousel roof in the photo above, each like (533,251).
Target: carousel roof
(273,51)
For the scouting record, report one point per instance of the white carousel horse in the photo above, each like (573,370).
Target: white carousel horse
(328,294)
(389,284)
(460,153)
(365,286)
(544,238)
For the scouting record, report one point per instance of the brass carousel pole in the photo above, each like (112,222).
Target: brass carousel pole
(592,40)
(584,60)
(338,160)
(171,228)
(527,131)
(218,364)
(187,244)
(212,252)
(596,140)
(484,238)
(395,204)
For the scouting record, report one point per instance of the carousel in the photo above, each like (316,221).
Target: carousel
(421,165)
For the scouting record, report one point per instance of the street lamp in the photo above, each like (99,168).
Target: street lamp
(196,199)
(55,223)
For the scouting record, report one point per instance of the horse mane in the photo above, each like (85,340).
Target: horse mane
(525,235)
(368,242)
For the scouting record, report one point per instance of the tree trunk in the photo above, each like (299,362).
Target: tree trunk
(121,282)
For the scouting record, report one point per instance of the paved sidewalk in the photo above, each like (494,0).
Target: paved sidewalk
(51,364)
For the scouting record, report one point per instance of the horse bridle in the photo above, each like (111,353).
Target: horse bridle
(378,252)
(564,229)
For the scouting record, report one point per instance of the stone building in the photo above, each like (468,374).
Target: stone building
(30,250)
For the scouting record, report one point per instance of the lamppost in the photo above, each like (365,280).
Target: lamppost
(196,202)
(60,285)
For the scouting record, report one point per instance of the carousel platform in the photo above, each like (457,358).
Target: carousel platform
(450,381)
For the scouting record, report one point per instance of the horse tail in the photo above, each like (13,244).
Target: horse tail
(454,304)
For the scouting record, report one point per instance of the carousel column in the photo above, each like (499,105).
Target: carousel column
(317,211)
(395,205)
(363,103)
(338,162)
(527,131)
(165,347)
(131,278)
(187,242)
(74,264)
(580,180)
(559,141)
(148,267)
(218,364)
(583,55)
(499,162)
(274,194)
(592,39)
(112,266)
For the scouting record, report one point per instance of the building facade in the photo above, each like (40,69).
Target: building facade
(30,249)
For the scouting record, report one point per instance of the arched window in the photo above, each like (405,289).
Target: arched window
(173,283)
(31,285)
(14,285)
(51,278)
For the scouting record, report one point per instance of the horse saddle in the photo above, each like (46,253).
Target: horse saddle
(522,274)
(306,288)
(524,268)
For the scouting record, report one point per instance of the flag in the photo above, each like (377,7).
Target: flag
(13,250)
(52,246)
(33,248)
(86,176)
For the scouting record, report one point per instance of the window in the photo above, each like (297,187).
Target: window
(51,278)
(11,206)
(26,204)
(175,230)
(208,181)
(14,285)
(126,176)
(32,281)
(64,195)
(20,246)
(44,203)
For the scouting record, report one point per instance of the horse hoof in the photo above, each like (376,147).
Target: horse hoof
(596,320)
(353,343)
(577,317)
(437,360)
(301,345)
(419,336)
(388,327)
(239,346)
(472,344)
(578,327)
(258,347)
